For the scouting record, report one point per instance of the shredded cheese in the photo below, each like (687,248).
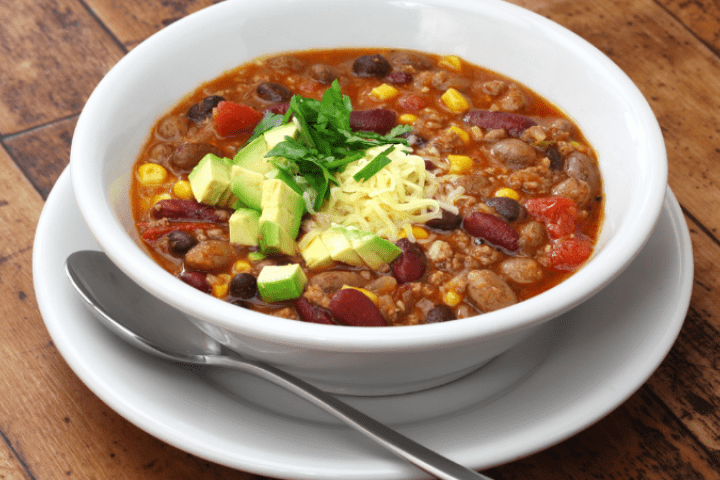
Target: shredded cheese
(403,193)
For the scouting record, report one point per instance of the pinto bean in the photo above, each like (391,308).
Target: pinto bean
(513,123)
(493,230)
(576,190)
(412,59)
(514,153)
(488,291)
(322,73)
(580,166)
(378,120)
(371,66)
(209,256)
(410,265)
(172,128)
(352,307)
(189,154)
(439,313)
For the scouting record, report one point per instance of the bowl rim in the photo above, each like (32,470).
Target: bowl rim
(132,259)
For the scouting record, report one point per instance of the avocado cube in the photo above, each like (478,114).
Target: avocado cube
(244,226)
(281,282)
(252,156)
(278,214)
(281,204)
(277,135)
(274,240)
(316,254)
(373,249)
(210,179)
(339,246)
(247,186)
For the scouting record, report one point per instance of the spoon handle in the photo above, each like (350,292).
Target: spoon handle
(422,457)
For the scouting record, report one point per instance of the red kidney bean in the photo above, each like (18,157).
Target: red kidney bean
(196,279)
(493,230)
(412,102)
(410,265)
(278,108)
(448,221)
(309,312)
(371,66)
(177,209)
(398,78)
(513,123)
(352,307)
(378,120)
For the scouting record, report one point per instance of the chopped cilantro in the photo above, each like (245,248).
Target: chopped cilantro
(325,143)
(374,166)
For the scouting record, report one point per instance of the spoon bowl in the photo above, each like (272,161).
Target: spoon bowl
(146,323)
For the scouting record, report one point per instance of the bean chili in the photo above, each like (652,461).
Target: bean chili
(523,180)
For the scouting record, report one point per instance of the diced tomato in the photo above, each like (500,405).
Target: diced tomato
(559,214)
(235,118)
(569,254)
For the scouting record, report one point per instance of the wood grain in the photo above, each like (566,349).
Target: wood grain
(46,74)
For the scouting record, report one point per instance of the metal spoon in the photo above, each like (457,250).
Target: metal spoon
(124,308)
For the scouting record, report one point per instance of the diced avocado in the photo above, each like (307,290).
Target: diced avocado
(316,254)
(373,249)
(244,226)
(252,156)
(210,179)
(274,240)
(256,256)
(277,213)
(247,186)
(281,282)
(339,246)
(278,134)
(281,204)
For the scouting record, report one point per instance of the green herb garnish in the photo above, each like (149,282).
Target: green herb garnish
(326,144)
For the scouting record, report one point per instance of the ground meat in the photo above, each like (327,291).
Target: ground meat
(331,282)
(537,179)
(532,234)
(560,129)
(286,312)
(286,63)
(317,296)
(576,190)
(513,100)
(447,140)
(494,87)
(521,270)
(485,255)
(488,291)
(536,133)
(209,256)
(440,254)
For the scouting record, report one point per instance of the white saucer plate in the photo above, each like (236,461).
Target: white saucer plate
(579,368)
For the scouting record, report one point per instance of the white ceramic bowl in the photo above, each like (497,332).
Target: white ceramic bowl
(372,361)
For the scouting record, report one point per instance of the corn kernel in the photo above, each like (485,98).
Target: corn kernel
(160,196)
(507,192)
(464,136)
(182,190)
(367,293)
(407,118)
(452,298)
(454,101)
(220,287)
(385,92)
(241,266)
(418,232)
(451,62)
(460,164)
(151,174)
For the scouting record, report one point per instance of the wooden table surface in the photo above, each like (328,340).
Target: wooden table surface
(54,52)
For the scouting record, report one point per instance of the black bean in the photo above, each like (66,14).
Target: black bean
(371,66)
(439,313)
(556,160)
(203,109)
(273,92)
(448,221)
(179,242)
(243,285)
(508,208)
